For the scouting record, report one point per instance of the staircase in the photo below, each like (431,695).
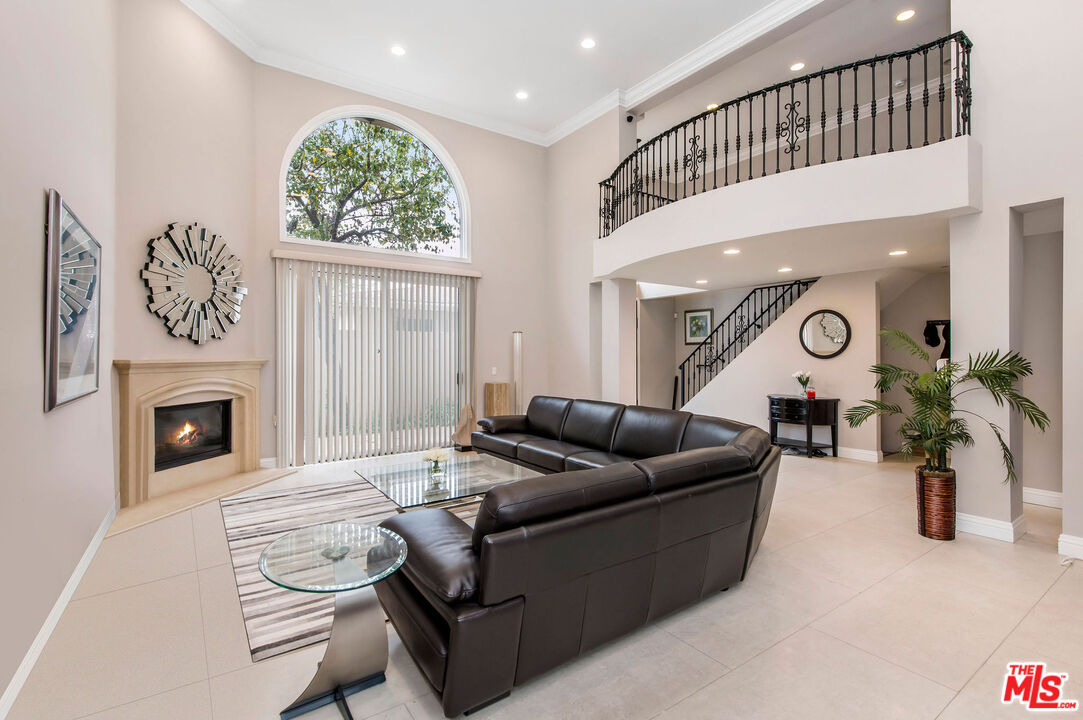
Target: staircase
(749,319)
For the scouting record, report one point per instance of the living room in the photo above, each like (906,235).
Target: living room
(651,217)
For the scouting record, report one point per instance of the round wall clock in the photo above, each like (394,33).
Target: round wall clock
(194,282)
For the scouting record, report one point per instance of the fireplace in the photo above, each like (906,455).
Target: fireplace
(191,432)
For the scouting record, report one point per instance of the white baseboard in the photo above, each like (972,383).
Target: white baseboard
(1037,496)
(874,456)
(267,463)
(990,528)
(7,700)
(1070,545)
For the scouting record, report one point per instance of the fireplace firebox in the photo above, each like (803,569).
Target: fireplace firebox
(191,432)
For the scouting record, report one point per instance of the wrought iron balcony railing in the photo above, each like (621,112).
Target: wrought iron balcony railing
(924,97)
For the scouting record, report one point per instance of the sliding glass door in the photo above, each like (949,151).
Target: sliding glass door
(370,361)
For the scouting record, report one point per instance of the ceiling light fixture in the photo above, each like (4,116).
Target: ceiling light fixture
(398,50)
(701,282)
(586,43)
(905,15)
(797,66)
(731,251)
(895,253)
(785,269)
(713,106)
(521,95)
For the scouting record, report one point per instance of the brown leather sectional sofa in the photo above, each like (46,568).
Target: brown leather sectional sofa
(644,511)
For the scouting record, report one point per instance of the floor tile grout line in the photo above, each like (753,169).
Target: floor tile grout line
(923,676)
(1005,638)
(174,576)
(202,617)
(141,699)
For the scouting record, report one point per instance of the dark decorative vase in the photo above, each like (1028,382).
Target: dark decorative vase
(936,503)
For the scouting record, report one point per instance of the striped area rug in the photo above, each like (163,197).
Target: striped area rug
(279,620)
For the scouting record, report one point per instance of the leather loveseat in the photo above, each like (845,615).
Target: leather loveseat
(643,511)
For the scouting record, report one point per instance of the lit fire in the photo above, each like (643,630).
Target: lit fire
(188,435)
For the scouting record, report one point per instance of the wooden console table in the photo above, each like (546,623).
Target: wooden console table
(799,410)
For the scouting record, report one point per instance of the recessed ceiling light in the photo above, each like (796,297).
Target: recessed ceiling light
(521,95)
(398,50)
(785,269)
(701,282)
(905,15)
(730,251)
(586,43)
(797,66)
(900,83)
(713,106)
(898,252)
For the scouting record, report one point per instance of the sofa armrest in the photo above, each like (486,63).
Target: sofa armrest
(503,424)
(439,553)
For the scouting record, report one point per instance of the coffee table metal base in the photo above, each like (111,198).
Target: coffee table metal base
(355,658)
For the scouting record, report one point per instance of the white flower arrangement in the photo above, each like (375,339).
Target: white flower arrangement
(435,455)
(803,377)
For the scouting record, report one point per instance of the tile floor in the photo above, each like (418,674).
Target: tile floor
(846,613)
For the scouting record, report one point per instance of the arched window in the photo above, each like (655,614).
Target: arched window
(368,183)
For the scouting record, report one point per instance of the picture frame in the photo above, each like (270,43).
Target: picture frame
(73,268)
(698,325)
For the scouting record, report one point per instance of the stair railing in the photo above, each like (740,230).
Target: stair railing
(761,307)
(862,108)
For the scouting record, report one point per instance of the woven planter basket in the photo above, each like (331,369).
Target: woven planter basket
(936,503)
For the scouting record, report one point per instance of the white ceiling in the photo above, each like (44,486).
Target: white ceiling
(467,60)
(813,252)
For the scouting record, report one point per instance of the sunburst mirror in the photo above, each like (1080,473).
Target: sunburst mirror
(194,282)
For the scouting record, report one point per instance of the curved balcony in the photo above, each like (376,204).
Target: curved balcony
(912,98)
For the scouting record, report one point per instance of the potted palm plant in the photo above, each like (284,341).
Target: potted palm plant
(936,425)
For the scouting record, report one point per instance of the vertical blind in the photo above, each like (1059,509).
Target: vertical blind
(370,361)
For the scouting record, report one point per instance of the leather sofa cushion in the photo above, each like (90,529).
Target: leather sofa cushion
(755,442)
(504,423)
(503,444)
(593,459)
(591,423)
(547,497)
(423,631)
(704,431)
(690,466)
(545,415)
(439,553)
(647,432)
(548,454)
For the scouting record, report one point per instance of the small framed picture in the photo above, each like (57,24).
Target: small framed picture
(73,266)
(698,324)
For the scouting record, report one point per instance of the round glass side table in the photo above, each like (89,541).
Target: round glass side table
(345,558)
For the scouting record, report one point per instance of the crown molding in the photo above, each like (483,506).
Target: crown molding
(752,27)
(744,32)
(610,101)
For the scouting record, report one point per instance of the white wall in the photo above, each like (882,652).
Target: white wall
(929,298)
(58,83)
(740,391)
(1043,257)
(655,339)
(574,166)
(982,245)
(203,134)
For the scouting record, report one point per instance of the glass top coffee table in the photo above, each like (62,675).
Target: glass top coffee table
(407,481)
(345,558)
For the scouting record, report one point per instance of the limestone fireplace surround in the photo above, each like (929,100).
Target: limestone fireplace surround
(147,384)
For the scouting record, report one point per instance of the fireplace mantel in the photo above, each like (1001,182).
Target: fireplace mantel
(146,384)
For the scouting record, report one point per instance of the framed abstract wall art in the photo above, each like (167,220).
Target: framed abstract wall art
(72,305)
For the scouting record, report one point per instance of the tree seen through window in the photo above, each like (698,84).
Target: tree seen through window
(364,182)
